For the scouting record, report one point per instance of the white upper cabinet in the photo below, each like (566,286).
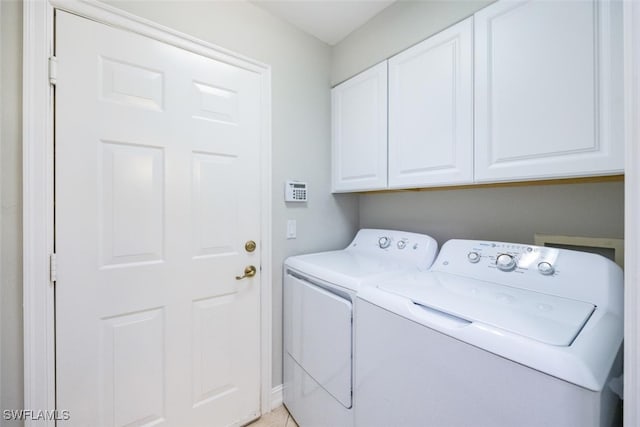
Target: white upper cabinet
(359,127)
(431,111)
(548,92)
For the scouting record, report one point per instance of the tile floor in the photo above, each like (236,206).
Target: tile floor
(279,417)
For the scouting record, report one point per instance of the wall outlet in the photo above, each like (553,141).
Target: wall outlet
(291,229)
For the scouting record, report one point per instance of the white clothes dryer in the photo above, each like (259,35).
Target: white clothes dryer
(319,293)
(495,335)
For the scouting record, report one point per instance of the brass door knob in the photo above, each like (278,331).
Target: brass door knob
(249,271)
(250,246)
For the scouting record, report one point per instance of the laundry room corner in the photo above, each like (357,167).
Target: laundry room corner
(232,212)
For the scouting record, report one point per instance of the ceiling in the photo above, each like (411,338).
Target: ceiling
(328,20)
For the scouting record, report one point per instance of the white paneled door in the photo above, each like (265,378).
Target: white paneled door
(157,191)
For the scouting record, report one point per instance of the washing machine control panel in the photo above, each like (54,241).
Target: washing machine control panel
(509,257)
(565,273)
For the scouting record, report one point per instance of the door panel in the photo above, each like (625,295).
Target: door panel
(157,176)
(134,344)
(548,90)
(320,343)
(132,216)
(431,111)
(359,131)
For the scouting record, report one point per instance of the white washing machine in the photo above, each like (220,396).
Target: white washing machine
(496,334)
(319,293)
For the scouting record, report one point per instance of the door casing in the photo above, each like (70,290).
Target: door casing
(38,185)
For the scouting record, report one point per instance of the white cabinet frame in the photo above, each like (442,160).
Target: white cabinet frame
(431,111)
(359,132)
(581,128)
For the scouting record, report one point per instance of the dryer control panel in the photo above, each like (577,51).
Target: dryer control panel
(565,273)
(402,246)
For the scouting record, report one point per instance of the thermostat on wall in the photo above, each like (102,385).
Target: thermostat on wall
(295,191)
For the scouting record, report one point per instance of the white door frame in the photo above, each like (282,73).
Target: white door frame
(38,181)
(632,213)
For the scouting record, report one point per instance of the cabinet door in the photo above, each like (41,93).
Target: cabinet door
(359,131)
(431,111)
(548,90)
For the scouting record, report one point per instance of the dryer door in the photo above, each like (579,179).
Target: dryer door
(318,335)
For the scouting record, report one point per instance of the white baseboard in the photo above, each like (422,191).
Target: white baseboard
(276,397)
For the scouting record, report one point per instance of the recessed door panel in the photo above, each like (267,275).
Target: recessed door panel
(359,126)
(215,213)
(547,90)
(132,187)
(133,369)
(131,84)
(430,111)
(215,104)
(213,352)
(431,74)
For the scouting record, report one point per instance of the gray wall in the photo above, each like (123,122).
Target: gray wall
(11,201)
(511,214)
(397,27)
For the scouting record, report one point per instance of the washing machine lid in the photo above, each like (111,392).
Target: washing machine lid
(345,268)
(549,319)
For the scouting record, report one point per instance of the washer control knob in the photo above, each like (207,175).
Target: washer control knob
(505,262)
(384,242)
(402,244)
(473,257)
(546,268)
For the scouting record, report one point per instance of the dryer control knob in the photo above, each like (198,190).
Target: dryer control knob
(402,244)
(546,268)
(384,242)
(473,257)
(505,262)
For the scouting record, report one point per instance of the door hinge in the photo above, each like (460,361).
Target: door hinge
(53,268)
(53,70)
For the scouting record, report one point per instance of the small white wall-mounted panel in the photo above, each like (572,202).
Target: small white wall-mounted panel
(295,191)
(291,229)
(359,131)
(547,90)
(431,111)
